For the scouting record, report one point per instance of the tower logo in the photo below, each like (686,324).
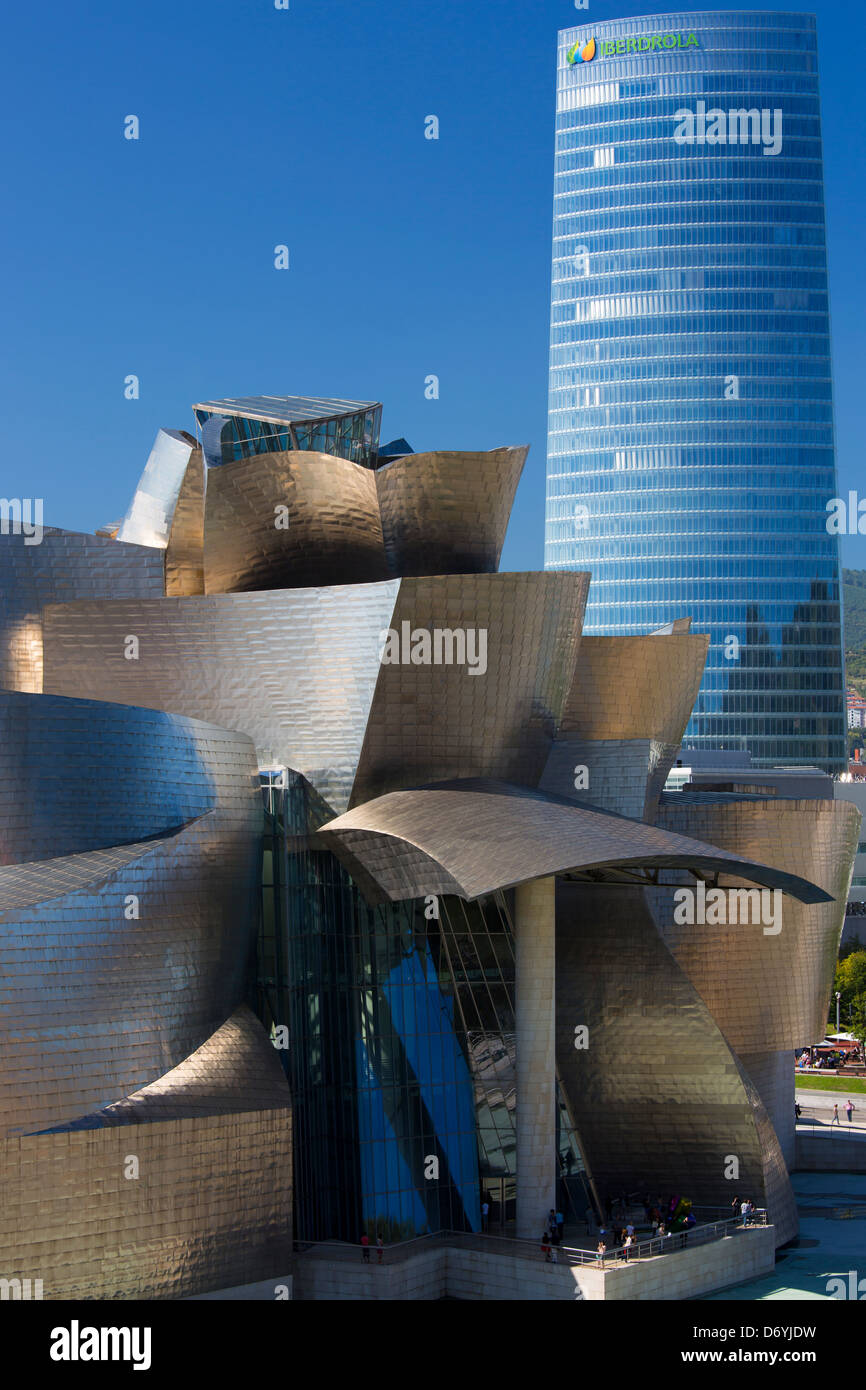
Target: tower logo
(587,53)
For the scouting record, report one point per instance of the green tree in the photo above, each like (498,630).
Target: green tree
(850,982)
(858,1019)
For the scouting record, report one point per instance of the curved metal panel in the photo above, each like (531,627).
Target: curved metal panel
(106,986)
(635,687)
(629,703)
(791,972)
(447,512)
(658,1098)
(66,565)
(80,775)
(184,554)
(295,669)
(212,1208)
(444,719)
(148,518)
(773,1076)
(484,835)
(622,775)
(330,534)
(235,1071)
(23,885)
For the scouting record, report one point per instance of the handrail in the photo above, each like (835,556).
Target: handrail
(651,1248)
(811,1121)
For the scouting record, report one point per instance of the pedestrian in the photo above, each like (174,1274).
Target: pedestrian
(735,1207)
(545,1246)
(745,1211)
(849,1110)
(629,1242)
(629,1230)
(551,1222)
(600,1252)
(560,1223)
(380,1247)
(365,1248)
(485,1214)
(835,1120)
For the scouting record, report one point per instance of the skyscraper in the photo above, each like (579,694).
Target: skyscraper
(691,452)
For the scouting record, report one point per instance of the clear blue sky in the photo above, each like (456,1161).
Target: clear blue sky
(408,257)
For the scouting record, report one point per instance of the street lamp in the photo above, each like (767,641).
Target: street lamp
(838,997)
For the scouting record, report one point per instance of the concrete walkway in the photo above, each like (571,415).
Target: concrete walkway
(832,1209)
(818,1106)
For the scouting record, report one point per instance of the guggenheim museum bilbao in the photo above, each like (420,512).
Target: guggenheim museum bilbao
(340,893)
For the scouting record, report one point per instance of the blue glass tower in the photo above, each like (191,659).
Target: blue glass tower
(690,448)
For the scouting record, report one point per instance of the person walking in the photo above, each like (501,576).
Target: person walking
(735,1207)
(849,1110)
(485,1215)
(380,1248)
(835,1120)
(629,1242)
(744,1211)
(365,1248)
(545,1246)
(600,1252)
(560,1224)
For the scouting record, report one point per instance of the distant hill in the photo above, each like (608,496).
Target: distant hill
(854,601)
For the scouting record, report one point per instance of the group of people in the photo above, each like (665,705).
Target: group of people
(849,1111)
(552,1236)
(625,1239)
(365,1248)
(743,1210)
(825,1061)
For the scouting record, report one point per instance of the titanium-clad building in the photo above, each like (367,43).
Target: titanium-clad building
(691,450)
(357,1010)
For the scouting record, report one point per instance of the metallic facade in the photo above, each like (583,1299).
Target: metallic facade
(792,972)
(301,518)
(142,958)
(353,744)
(296,669)
(447,513)
(64,566)
(691,448)
(291,520)
(656,1056)
(478,837)
(148,520)
(624,719)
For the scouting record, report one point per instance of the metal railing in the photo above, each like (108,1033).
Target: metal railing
(650,1248)
(818,1120)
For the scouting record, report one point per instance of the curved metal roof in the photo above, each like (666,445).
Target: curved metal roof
(475,836)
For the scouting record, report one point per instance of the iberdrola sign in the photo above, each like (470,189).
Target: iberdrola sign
(644,43)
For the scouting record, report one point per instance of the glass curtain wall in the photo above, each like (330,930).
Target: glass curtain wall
(691,444)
